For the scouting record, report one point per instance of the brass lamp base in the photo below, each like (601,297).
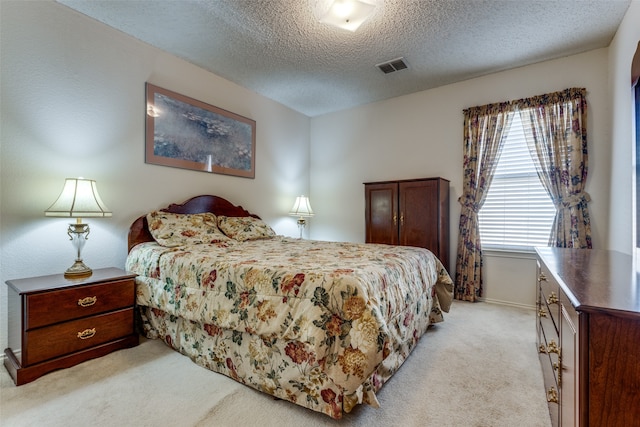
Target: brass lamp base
(78,270)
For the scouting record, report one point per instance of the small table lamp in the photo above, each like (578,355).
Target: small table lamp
(301,209)
(79,198)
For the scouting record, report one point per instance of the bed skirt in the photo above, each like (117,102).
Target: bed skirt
(284,369)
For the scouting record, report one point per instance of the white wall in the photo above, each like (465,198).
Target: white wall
(73,104)
(621,137)
(420,135)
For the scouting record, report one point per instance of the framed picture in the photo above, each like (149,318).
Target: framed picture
(185,133)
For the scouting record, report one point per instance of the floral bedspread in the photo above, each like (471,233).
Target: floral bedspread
(322,324)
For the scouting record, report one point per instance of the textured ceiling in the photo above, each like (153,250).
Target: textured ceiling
(279,49)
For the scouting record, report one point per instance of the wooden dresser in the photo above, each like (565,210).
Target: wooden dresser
(55,322)
(589,336)
(412,212)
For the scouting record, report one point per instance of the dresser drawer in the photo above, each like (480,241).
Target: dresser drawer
(48,308)
(549,295)
(550,346)
(549,373)
(551,389)
(547,313)
(53,341)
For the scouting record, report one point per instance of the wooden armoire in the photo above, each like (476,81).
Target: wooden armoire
(410,212)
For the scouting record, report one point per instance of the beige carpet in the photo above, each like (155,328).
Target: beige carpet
(478,368)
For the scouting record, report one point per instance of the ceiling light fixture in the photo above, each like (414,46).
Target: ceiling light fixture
(348,14)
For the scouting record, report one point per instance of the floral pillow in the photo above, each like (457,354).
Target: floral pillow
(171,230)
(243,228)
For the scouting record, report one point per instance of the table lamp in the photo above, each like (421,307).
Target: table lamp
(79,198)
(302,209)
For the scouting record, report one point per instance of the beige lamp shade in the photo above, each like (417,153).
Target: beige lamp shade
(79,198)
(302,207)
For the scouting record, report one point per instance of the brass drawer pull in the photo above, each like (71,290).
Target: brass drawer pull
(553,348)
(557,366)
(552,395)
(542,349)
(542,278)
(553,298)
(88,301)
(542,313)
(87,333)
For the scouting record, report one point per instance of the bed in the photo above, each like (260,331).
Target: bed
(321,324)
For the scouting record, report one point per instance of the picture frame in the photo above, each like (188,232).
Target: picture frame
(186,133)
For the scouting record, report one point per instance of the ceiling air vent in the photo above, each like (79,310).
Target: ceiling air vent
(393,65)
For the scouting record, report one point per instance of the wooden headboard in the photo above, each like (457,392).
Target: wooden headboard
(139,230)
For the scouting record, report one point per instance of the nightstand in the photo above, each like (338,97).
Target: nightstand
(56,323)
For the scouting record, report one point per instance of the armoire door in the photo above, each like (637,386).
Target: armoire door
(381,213)
(418,219)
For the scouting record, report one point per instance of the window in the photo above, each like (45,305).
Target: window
(517,213)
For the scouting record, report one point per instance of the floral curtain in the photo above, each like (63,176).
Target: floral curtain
(556,132)
(484,135)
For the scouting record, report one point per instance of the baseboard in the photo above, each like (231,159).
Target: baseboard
(507,303)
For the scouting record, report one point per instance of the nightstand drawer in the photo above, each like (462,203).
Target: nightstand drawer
(53,341)
(52,307)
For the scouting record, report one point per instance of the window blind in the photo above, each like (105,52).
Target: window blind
(517,213)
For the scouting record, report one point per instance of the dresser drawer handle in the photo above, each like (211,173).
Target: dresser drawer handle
(552,395)
(542,313)
(542,349)
(87,333)
(557,367)
(553,298)
(87,302)
(553,348)
(542,278)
